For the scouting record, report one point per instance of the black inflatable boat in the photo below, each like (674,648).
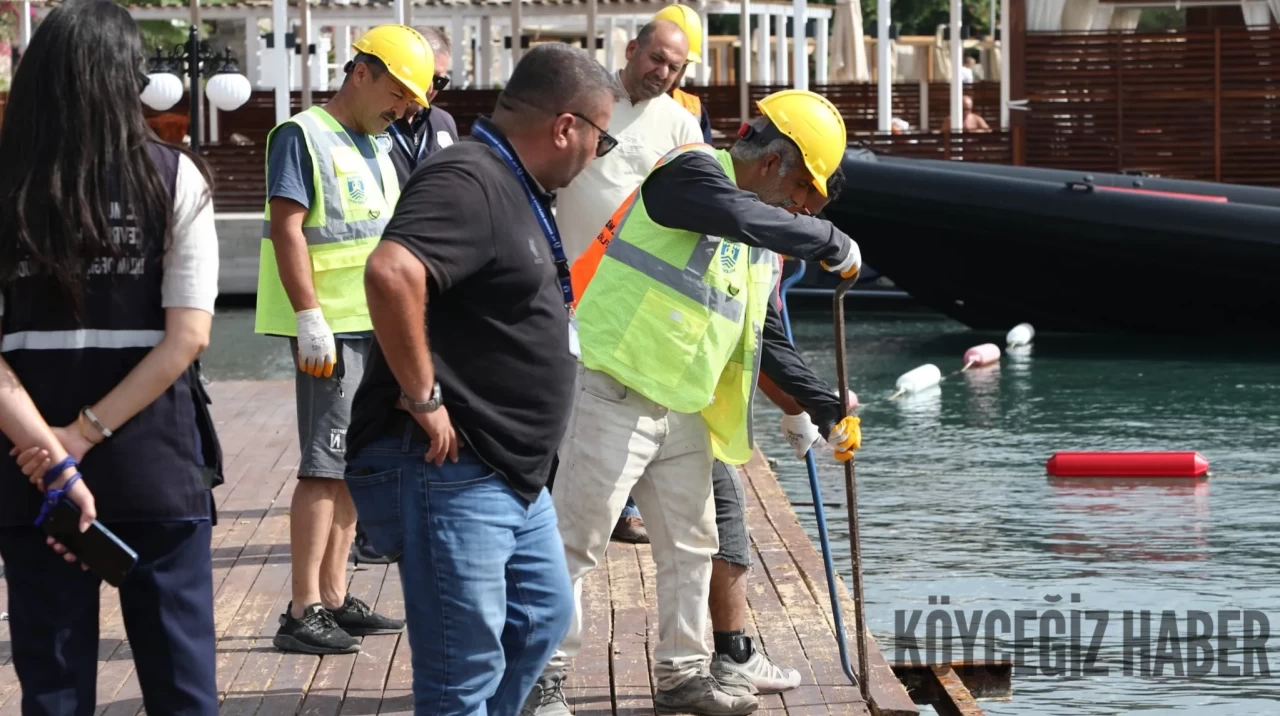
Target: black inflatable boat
(993,246)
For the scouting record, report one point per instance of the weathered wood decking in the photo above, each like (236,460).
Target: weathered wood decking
(789,614)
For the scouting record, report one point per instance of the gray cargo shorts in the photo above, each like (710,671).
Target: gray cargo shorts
(731,515)
(324,409)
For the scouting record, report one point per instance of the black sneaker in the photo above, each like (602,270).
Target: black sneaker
(357,619)
(363,553)
(315,632)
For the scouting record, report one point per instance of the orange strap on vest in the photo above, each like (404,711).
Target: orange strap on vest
(584,268)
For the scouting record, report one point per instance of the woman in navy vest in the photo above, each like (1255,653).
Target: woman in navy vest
(108,274)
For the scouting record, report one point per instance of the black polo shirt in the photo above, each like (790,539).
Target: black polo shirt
(496,321)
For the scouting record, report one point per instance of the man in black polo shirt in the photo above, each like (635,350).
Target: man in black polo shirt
(473,368)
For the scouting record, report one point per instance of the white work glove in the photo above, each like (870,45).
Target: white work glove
(851,265)
(317,352)
(800,432)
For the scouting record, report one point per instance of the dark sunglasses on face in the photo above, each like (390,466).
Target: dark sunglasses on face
(605,143)
(439,82)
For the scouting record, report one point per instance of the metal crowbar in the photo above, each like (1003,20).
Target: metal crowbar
(862,680)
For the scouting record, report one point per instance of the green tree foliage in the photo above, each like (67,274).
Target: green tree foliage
(922,17)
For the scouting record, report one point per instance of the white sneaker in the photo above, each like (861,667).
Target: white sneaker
(766,676)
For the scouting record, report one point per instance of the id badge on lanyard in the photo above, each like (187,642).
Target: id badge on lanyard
(549,230)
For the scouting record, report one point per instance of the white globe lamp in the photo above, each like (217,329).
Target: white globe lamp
(162,92)
(228,91)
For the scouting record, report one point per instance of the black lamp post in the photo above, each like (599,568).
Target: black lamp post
(195,58)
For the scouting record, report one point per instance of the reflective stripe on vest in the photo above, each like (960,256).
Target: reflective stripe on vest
(79,339)
(687,281)
(679,316)
(341,228)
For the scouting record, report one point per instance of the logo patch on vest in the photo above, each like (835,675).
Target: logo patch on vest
(355,189)
(729,251)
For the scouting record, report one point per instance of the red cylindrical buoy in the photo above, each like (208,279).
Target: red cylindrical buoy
(1127,464)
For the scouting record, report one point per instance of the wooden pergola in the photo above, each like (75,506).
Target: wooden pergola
(493,24)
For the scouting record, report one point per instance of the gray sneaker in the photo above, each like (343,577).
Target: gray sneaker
(547,698)
(766,676)
(705,696)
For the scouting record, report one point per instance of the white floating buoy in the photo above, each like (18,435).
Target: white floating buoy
(985,354)
(917,379)
(1020,335)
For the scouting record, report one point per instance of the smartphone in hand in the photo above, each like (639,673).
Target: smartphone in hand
(99,548)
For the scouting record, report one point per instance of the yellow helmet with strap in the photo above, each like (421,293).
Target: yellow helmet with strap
(814,124)
(688,20)
(407,55)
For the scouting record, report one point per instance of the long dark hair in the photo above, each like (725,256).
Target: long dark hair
(75,139)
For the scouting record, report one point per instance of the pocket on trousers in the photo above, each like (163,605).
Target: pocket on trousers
(377,499)
(603,386)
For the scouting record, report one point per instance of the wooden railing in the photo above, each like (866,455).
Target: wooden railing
(985,147)
(1190,105)
(239,176)
(857,103)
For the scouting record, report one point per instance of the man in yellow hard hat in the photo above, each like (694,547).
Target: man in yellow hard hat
(677,286)
(331,188)
(687,19)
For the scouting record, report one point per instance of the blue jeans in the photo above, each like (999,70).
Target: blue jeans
(487,593)
(630,510)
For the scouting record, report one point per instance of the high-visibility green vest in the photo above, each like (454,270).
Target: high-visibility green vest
(342,227)
(677,317)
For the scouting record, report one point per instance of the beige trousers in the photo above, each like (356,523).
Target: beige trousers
(620,443)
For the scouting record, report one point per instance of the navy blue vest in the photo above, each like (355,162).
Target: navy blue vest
(153,467)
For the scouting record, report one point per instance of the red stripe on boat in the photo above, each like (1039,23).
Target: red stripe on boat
(1171,194)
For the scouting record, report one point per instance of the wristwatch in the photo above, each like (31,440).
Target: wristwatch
(422,406)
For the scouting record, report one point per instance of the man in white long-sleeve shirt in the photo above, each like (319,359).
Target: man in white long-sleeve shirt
(647,125)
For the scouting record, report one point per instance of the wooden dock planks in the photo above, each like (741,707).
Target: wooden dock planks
(788,614)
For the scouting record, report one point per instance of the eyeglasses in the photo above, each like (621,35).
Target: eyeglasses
(439,82)
(605,143)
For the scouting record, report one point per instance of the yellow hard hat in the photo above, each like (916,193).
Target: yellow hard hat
(407,55)
(688,20)
(814,124)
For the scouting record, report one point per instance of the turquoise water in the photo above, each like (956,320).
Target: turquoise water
(954,501)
